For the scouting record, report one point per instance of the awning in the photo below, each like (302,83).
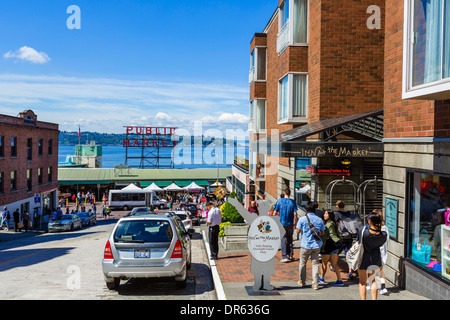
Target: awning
(363,138)
(74,182)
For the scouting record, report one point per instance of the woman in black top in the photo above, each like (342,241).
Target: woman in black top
(373,238)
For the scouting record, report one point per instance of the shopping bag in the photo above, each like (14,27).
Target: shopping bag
(355,253)
(20,225)
(421,252)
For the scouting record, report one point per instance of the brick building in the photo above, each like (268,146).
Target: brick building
(316,62)
(28,163)
(417,143)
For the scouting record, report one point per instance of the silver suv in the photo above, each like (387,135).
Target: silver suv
(147,246)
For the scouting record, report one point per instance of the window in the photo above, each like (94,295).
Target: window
(2,146)
(13,147)
(13,180)
(145,231)
(29,149)
(29,180)
(427,49)
(293,98)
(49,174)
(40,146)
(429,205)
(258,115)
(293,24)
(50,147)
(258,64)
(40,175)
(2,182)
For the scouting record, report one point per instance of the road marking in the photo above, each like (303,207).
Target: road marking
(215,274)
(60,245)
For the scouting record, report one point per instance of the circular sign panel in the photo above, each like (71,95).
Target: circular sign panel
(264,238)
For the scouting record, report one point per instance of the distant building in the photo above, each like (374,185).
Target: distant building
(28,163)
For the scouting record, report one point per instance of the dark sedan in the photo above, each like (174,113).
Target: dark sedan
(87,218)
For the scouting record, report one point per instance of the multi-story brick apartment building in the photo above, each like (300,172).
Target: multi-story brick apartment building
(315,61)
(417,143)
(368,104)
(28,163)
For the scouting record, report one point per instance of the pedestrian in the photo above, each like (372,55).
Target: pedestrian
(373,239)
(213,221)
(25,219)
(104,212)
(347,238)
(286,208)
(312,229)
(108,211)
(383,251)
(253,208)
(94,208)
(5,218)
(16,217)
(330,248)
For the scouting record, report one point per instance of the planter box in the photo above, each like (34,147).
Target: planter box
(237,229)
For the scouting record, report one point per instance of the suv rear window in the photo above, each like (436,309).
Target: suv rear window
(144,231)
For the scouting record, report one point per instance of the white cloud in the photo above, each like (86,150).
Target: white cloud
(110,104)
(28,54)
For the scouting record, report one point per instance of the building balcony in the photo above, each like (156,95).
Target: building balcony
(283,38)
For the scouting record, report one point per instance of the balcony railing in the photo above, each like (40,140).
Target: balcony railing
(283,38)
(251,75)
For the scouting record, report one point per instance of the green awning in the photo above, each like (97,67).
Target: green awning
(74,182)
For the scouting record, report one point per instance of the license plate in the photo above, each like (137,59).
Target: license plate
(138,254)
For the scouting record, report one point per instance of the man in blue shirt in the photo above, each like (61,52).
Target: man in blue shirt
(287,210)
(309,245)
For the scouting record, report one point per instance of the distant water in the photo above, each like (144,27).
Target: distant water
(183,157)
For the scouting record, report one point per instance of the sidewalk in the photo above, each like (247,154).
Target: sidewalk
(236,281)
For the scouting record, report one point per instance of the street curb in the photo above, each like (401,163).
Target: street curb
(215,274)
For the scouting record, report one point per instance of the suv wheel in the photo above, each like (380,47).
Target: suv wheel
(113,285)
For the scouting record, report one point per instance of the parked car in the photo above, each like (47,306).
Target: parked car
(192,208)
(87,218)
(187,221)
(159,203)
(139,211)
(67,222)
(147,246)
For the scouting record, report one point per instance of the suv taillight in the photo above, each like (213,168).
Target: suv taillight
(177,251)
(108,252)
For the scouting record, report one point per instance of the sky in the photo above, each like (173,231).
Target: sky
(150,63)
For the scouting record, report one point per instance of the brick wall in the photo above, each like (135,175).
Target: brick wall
(407,118)
(14,127)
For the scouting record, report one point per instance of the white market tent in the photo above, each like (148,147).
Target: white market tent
(215,184)
(193,187)
(173,187)
(131,187)
(154,187)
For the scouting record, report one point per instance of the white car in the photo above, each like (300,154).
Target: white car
(67,222)
(187,221)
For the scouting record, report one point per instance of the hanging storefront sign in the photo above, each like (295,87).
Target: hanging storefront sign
(264,238)
(391,216)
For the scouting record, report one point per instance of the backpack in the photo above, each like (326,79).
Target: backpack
(348,226)
(314,231)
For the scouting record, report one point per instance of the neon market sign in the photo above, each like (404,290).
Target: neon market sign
(157,137)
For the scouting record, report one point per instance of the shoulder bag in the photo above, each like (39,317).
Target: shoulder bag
(355,253)
(421,252)
(314,231)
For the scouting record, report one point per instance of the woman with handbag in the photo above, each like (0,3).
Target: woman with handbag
(372,239)
(330,247)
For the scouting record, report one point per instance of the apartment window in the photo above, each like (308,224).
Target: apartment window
(50,147)
(29,179)
(258,64)
(293,24)
(29,149)
(40,146)
(13,180)
(50,174)
(2,182)
(293,98)
(258,115)
(2,146)
(40,175)
(13,146)
(427,49)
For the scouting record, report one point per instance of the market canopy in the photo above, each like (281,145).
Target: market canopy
(193,186)
(173,187)
(153,187)
(131,187)
(215,184)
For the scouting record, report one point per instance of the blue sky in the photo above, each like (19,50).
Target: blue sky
(132,62)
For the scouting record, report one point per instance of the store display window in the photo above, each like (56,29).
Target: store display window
(428,222)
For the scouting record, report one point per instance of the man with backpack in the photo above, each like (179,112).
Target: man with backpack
(5,219)
(312,229)
(348,226)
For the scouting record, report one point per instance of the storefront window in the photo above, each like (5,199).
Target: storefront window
(429,222)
